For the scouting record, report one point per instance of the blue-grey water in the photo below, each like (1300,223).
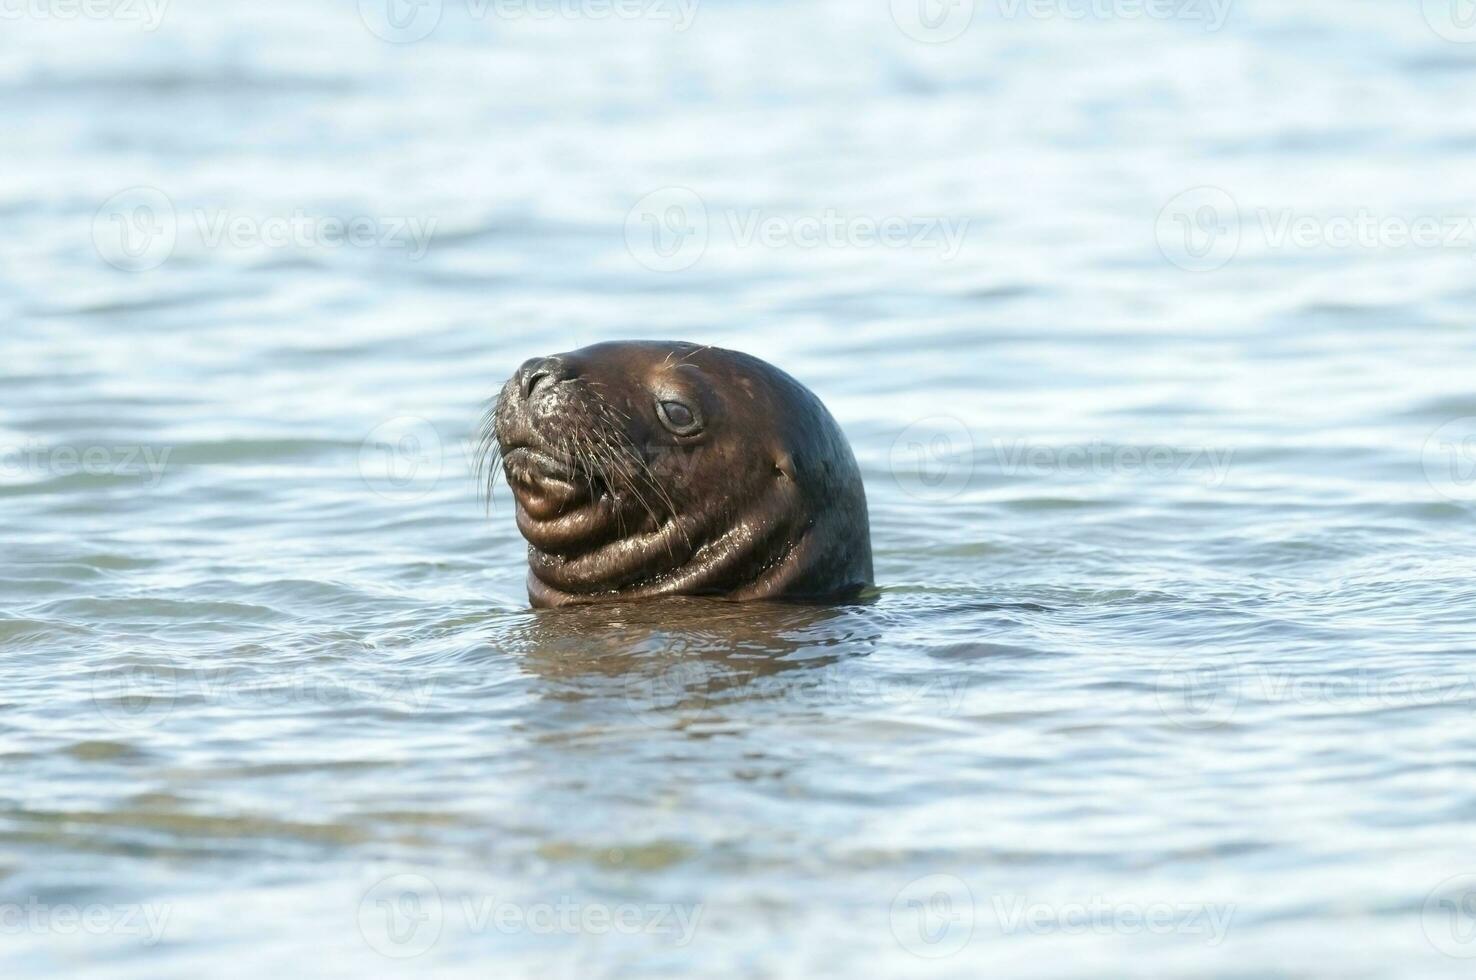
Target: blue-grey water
(1149,324)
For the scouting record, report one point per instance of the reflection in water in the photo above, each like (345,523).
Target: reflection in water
(678,662)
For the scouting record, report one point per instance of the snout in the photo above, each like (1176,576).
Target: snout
(527,410)
(538,372)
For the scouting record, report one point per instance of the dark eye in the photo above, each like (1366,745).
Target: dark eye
(678,418)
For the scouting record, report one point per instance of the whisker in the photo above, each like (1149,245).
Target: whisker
(597,445)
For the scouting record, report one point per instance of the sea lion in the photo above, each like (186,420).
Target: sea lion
(659,468)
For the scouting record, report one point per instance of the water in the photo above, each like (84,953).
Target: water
(1168,672)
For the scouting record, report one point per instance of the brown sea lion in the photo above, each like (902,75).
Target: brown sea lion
(657,468)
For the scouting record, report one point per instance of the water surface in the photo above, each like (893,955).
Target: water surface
(1169,668)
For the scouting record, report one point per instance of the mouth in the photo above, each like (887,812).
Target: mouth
(543,485)
(527,458)
(532,467)
(552,455)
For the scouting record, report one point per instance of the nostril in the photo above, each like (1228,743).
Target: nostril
(538,370)
(531,380)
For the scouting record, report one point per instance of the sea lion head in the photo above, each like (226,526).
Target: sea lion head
(645,468)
